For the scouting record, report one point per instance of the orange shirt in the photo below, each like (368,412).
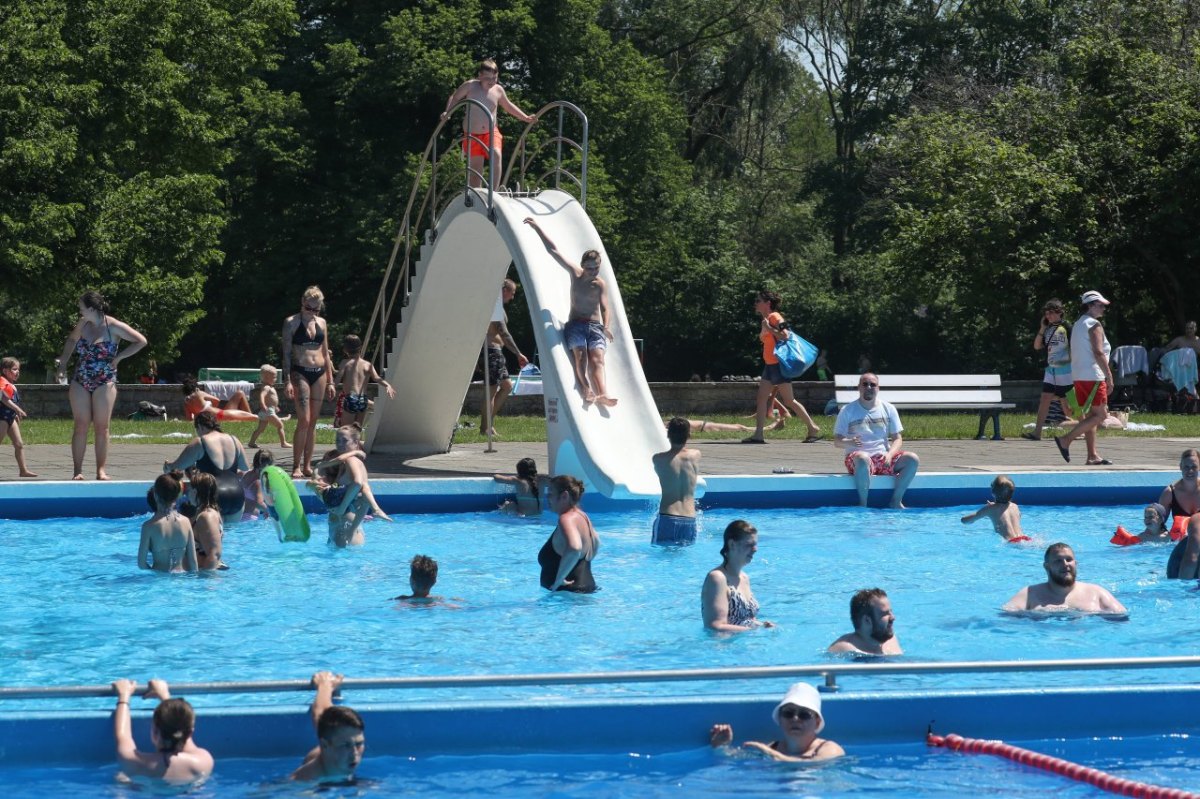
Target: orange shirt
(774,319)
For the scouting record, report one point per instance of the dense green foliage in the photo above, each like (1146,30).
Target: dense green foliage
(914,176)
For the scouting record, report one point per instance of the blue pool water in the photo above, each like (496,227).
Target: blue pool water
(81,612)
(894,770)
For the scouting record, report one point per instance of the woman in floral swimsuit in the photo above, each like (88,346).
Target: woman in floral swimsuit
(95,341)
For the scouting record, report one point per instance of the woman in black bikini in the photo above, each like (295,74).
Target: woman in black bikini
(1182,499)
(309,368)
(799,718)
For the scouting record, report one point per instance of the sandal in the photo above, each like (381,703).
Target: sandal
(753,440)
(1031,437)
(1101,462)
(1064,451)
(814,438)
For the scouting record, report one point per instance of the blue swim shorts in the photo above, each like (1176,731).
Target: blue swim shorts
(672,530)
(585,335)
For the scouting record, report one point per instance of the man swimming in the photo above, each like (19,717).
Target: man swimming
(1061,591)
(872,617)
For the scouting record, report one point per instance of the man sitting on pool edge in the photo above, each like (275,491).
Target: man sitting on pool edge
(872,617)
(1061,591)
(340,738)
(869,431)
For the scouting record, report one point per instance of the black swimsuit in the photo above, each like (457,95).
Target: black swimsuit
(301,338)
(582,581)
(1176,557)
(230,497)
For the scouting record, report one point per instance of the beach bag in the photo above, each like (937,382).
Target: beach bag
(795,355)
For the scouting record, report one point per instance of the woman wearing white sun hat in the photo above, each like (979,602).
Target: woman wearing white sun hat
(1093,377)
(799,718)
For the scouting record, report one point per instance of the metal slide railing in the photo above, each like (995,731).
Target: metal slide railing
(829,672)
(431,194)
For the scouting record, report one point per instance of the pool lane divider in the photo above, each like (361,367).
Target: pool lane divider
(42,499)
(1056,765)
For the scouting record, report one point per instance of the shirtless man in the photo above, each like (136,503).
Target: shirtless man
(167,536)
(1189,339)
(872,617)
(497,337)
(1061,591)
(588,330)
(677,470)
(340,738)
(484,88)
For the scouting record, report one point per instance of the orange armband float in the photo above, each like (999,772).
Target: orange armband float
(1179,527)
(1124,538)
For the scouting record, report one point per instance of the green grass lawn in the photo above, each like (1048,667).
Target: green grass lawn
(533,428)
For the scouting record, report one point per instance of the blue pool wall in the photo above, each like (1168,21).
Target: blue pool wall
(36,500)
(645,726)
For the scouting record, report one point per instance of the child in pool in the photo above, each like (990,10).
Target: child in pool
(268,406)
(349,448)
(252,486)
(11,413)
(528,484)
(422,576)
(1002,511)
(1155,519)
(167,542)
(353,376)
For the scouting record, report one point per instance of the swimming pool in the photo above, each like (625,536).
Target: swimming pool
(886,770)
(284,611)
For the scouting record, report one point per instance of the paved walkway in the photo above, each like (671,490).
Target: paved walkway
(144,461)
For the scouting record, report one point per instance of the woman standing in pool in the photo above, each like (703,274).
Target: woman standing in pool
(1182,499)
(772,330)
(215,452)
(566,557)
(726,601)
(309,367)
(96,341)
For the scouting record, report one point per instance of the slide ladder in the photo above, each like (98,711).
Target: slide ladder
(430,349)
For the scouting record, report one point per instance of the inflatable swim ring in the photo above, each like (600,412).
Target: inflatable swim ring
(290,522)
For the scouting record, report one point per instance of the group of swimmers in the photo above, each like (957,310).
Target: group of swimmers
(178,760)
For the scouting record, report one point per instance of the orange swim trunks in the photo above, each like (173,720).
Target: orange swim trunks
(477,142)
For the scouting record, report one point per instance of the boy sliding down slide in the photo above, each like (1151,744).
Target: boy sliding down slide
(588,329)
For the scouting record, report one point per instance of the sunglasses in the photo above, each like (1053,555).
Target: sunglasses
(802,713)
(313,308)
(868,385)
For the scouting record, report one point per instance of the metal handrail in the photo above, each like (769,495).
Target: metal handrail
(524,158)
(828,671)
(391,293)
(385,302)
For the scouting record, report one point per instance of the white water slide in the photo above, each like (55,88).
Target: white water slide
(436,346)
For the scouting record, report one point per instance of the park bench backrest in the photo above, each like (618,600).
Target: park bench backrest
(926,390)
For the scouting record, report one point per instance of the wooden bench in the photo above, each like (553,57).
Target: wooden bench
(935,393)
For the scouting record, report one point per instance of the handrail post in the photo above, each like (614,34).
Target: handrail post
(487,395)
(558,155)
(583,168)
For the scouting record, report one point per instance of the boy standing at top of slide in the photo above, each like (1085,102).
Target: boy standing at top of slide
(477,142)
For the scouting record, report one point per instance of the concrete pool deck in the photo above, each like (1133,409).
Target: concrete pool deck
(721,457)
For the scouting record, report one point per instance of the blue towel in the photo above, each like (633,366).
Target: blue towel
(1179,367)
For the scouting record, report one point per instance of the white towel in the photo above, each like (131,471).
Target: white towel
(1130,360)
